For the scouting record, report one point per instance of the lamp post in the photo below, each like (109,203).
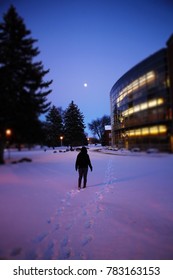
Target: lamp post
(8,133)
(61,138)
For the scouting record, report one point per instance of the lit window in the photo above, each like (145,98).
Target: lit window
(137,132)
(147,78)
(144,106)
(145,131)
(136,108)
(152,130)
(131,132)
(140,107)
(162,129)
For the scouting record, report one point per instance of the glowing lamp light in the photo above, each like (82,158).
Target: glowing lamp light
(61,138)
(8,132)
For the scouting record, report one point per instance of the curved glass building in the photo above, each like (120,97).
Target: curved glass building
(142,104)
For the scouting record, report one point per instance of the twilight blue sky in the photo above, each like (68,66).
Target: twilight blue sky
(93,41)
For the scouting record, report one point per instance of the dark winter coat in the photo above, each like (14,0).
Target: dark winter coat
(83,160)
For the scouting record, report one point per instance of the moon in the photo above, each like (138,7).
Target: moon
(85,84)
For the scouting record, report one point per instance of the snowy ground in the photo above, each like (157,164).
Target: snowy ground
(126,212)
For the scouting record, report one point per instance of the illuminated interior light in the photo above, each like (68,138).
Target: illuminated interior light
(137,132)
(168,82)
(153,130)
(155,102)
(141,81)
(136,108)
(160,101)
(150,75)
(143,106)
(152,103)
(137,84)
(162,129)
(131,110)
(131,133)
(145,131)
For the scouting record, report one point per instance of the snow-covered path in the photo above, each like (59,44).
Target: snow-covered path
(126,212)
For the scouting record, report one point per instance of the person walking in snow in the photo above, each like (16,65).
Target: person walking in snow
(82,163)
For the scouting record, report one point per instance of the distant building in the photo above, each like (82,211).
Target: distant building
(142,104)
(107,135)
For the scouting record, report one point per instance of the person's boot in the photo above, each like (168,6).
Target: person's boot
(79,185)
(84,183)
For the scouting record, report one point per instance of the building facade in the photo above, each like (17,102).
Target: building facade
(107,135)
(142,104)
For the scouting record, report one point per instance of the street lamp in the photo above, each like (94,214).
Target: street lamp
(8,134)
(61,138)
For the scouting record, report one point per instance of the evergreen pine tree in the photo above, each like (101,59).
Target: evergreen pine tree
(74,126)
(54,126)
(23,92)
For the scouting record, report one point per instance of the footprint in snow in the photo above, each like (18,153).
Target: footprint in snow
(82,256)
(16,251)
(99,209)
(99,194)
(64,242)
(57,226)
(40,237)
(65,254)
(86,240)
(89,224)
(60,210)
(50,220)
(49,251)
(100,197)
(72,193)
(31,255)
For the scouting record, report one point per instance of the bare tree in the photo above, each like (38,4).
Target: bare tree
(97,126)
